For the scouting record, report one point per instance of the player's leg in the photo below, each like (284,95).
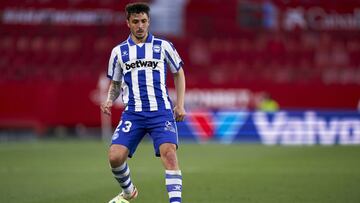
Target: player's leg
(173,177)
(168,156)
(164,134)
(125,140)
(120,169)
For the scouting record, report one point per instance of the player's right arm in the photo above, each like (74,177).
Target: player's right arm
(113,94)
(114,73)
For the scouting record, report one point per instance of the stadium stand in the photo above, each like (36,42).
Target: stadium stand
(224,46)
(211,42)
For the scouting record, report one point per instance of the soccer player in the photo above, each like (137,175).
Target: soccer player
(137,69)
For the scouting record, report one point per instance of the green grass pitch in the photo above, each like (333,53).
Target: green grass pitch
(78,172)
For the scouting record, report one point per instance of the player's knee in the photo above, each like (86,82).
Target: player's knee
(170,159)
(115,160)
(116,157)
(114,163)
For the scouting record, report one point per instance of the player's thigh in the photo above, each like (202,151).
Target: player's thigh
(129,133)
(164,132)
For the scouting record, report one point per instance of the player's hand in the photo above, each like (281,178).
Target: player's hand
(179,113)
(106,107)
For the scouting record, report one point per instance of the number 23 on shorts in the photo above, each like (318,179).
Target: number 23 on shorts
(127,126)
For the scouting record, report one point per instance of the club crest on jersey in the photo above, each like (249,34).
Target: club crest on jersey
(141,64)
(169,127)
(157,48)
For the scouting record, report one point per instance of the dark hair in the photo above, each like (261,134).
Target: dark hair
(139,7)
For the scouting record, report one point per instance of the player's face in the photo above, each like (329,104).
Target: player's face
(139,25)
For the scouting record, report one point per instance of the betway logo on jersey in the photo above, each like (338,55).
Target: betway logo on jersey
(309,129)
(141,64)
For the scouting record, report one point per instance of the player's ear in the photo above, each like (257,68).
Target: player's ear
(128,23)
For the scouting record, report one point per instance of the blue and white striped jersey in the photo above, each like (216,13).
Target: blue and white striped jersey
(141,69)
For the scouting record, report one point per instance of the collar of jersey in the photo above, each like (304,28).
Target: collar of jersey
(148,39)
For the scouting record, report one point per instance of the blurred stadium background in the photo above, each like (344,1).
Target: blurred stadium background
(274,72)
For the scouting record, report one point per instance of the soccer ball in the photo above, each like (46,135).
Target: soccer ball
(120,201)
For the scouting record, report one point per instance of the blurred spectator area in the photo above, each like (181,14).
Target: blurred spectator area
(66,4)
(254,42)
(276,57)
(216,51)
(59,54)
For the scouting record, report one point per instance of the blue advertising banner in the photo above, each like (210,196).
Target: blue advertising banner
(282,127)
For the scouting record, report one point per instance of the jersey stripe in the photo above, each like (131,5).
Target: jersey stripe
(171,60)
(140,52)
(125,94)
(156,52)
(157,86)
(134,80)
(156,75)
(150,90)
(143,91)
(150,79)
(113,67)
(128,81)
(136,90)
(163,88)
(124,53)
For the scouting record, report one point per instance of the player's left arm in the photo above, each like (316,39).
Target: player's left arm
(176,67)
(179,81)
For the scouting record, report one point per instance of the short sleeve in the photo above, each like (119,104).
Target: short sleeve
(114,68)
(172,57)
